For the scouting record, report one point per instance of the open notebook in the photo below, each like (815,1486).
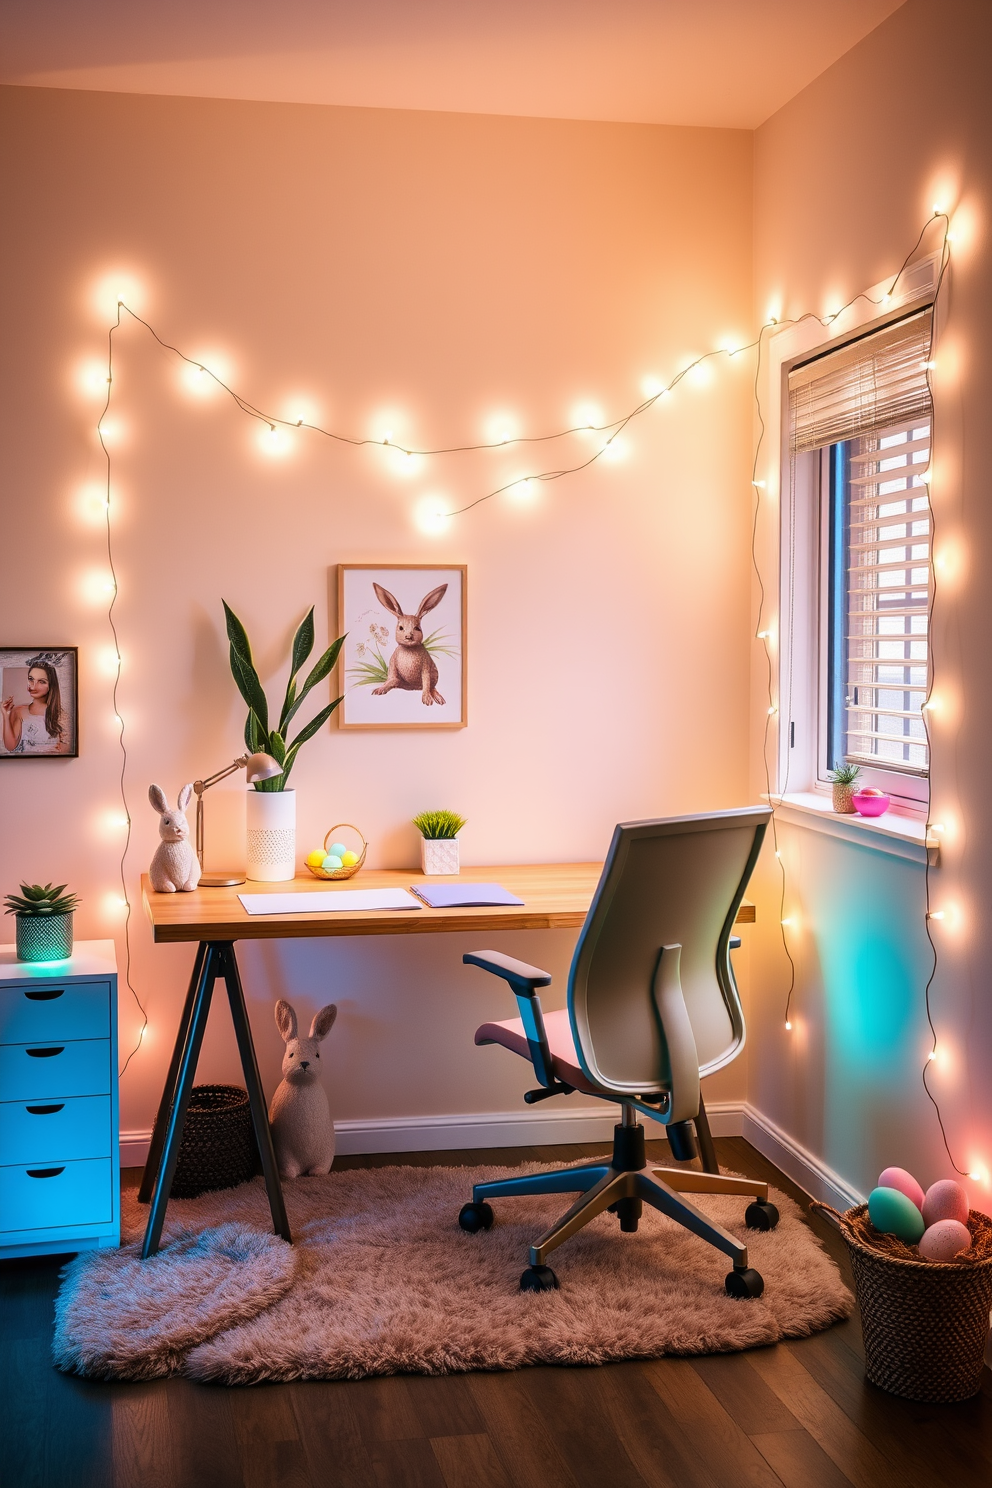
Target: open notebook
(463,895)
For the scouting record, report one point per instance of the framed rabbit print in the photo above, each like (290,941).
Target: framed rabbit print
(38,702)
(403,663)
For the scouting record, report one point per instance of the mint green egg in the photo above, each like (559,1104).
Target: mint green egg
(891,1212)
(332,861)
(337,850)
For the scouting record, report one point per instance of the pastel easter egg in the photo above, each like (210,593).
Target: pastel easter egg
(331,862)
(349,859)
(893,1214)
(945,1200)
(337,850)
(315,858)
(904,1182)
(945,1240)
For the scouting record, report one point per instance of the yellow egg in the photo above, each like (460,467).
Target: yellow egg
(315,858)
(349,859)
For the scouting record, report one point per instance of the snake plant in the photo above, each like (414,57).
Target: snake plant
(258,735)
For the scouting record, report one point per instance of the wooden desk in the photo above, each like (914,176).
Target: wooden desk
(556,897)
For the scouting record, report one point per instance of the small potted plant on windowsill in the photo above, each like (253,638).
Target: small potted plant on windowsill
(845,779)
(439,841)
(43,915)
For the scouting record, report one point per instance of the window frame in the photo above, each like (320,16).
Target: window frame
(791,491)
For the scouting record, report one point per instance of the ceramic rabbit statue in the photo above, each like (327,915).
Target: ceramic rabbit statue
(411,666)
(302,1129)
(174,866)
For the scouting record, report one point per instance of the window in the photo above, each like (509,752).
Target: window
(876,590)
(859,442)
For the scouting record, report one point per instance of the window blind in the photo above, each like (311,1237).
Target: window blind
(888,598)
(863,387)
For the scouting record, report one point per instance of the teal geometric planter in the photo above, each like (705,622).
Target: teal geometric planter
(44,937)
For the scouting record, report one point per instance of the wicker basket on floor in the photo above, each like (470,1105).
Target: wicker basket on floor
(218,1148)
(925,1324)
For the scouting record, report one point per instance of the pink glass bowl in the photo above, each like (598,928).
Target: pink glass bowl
(870,805)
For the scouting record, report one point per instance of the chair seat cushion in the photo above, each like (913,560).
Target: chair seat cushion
(564,1059)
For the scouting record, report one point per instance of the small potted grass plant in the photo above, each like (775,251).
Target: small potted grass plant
(43,915)
(844,778)
(439,841)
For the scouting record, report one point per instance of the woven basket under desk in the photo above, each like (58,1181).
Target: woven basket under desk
(218,1148)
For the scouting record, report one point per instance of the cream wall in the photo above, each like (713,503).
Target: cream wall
(422,269)
(845,175)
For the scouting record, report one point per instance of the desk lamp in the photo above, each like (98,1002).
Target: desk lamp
(259,767)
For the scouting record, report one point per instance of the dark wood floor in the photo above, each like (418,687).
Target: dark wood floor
(798,1415)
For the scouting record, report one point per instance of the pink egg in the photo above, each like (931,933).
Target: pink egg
(945,1200)
(904,1182)
(944,1240)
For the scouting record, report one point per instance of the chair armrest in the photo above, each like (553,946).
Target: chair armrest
(522,978)
(524,981)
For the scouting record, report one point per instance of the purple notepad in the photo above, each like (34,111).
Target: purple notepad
(463,895)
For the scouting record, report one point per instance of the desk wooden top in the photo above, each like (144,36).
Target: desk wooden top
(556,897)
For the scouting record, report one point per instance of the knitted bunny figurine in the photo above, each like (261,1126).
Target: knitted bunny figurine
(302,1129)
(174,865)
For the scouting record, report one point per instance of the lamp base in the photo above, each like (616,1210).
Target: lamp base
(220,880)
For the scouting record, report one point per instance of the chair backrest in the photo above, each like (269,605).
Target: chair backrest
(677,881)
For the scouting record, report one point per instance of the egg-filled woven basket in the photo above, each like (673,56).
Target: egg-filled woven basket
(925,1324)
(352,867)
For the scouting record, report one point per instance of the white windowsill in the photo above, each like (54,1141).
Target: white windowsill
(900,836)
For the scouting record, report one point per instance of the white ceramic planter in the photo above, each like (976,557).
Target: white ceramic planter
(271,836)
(439,856)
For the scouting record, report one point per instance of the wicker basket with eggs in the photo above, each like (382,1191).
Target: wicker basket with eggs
(335,859)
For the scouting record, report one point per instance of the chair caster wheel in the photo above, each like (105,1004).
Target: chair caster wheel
(761,1215)
(476,1217)
(745,1283)
(539,1279)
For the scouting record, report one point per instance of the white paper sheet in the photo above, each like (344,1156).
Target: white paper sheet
(320,902)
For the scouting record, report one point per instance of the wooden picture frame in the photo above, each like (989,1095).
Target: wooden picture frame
(386,683)
(28,710)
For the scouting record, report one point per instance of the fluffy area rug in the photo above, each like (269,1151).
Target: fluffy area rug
(381,1280)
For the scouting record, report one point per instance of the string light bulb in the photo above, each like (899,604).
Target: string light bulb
(788,1026)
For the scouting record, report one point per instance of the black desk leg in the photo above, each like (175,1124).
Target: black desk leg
(169,1093)
(256,1096)
(184,1084)
(707,1151)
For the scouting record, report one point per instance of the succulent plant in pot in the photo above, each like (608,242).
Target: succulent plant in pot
(439,841)
(44,921)
(844,778)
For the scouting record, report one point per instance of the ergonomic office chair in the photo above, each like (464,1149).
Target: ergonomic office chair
(652,1005)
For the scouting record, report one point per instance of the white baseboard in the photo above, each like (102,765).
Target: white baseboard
(812,1175)
(547,1127)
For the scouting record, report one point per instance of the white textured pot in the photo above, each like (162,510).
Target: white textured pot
(439,855)
(271,836)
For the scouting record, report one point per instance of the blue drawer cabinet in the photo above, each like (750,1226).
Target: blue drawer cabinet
(59,1140)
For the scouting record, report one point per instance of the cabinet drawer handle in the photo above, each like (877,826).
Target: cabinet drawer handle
(45,1053)
(45,1172)
(44,1110)
(45,994)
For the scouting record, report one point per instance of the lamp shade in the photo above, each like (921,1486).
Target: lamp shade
(262,767)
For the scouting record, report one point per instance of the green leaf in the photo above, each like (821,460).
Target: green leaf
(236,634)
(250,688)
(309,729)
(277,747)
(302,643)
(287,707)
(323,669)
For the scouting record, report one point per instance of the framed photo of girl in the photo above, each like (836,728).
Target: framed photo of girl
(39,702)
(403,663)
